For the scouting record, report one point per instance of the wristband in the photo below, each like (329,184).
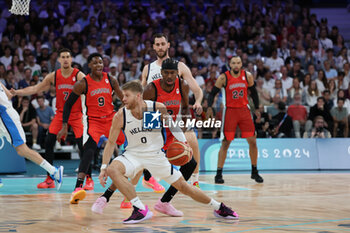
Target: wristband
(103,166)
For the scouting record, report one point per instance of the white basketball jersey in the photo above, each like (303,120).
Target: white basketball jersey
(138,139)
(4,101)
(153,72)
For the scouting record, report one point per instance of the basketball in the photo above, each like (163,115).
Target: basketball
(179,153)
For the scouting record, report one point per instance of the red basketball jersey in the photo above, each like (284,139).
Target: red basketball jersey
(64,87)
(98,98)
(171,100)
(236,89)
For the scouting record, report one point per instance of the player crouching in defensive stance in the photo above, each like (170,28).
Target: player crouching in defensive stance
(143,150)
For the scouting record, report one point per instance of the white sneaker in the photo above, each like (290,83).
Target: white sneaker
(58,176)
(36,146)
(58,146)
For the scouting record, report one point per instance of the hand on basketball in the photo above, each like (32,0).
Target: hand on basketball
(198,108)
(103,177)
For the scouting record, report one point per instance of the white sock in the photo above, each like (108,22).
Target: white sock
(214,204)
(195,177)
(48,167)
(137,203)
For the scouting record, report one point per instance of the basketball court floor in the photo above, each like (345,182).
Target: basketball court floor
(286,202)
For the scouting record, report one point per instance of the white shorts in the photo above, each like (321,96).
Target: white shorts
(156,163)
(11,127)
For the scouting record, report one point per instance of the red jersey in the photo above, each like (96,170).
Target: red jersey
(236,90)
(64,87)
(98,98)
(171,100)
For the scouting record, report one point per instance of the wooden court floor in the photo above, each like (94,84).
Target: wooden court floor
(287,202)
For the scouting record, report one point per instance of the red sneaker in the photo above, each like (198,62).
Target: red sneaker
(48,183)
(126,204)
(89,184)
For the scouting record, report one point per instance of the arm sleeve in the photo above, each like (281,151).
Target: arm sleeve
(254,95)
(68,106)
(212,95)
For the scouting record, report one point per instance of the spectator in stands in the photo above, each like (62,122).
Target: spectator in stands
(319,130)
(134,73)
(269,82)
(27,115)
(305,83)
(341,82)
(113,70)
(296,71)
(44,115)
(321,81)
(340,119)
(287,82)
(27,77)
(7,58)
(319,110)
(327,99)
(274,63)
(329,72)
(312,94)
(261,122)
(264,94)
(298,113)
(325,42)
(341,95)
(278,89)
(282,123)
(273,109)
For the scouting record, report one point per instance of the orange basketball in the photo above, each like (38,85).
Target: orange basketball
(178,153)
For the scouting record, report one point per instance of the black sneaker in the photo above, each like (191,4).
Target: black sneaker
(138,216)
(226,212)
(255,176)
(219,180)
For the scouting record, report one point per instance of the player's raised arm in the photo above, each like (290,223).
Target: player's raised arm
(40,87)
(186,74)
(79,88)
(149,92)
(144,76)
(117,125)
(165,117)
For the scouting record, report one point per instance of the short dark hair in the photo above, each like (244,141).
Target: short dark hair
(134,86)
(91,56)
(341,98)
(170,64)
(40,97)
(64,50)
(160,35)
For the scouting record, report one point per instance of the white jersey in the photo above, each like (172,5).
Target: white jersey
(138,139)
(10,123)
(153,72)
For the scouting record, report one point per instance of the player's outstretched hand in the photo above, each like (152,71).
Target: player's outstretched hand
(103,177)
(198,107)
(13,92)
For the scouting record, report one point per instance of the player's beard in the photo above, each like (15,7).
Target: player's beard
(161,54)
(236,71)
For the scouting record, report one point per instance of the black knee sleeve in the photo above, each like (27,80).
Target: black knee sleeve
(188,168)
(88,155)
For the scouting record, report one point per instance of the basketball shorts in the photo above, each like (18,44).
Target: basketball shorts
(156,163)
(75,123)
(237,116)
(11,127)
(100,127)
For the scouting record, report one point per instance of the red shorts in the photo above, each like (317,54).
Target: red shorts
(98,127)
(241,117)
(75,123)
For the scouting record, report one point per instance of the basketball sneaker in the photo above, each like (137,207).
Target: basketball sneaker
(58,176)
(138,216)
(219,179)
(77,195)
(196,184)
(168,209)
(1,184)
(99,205)
(225,212)
(153,184)
(89,183)
(48,183)
(126,204)
(255,176)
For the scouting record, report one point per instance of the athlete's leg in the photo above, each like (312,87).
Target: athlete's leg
(225,144)
(193,142)
(253,153)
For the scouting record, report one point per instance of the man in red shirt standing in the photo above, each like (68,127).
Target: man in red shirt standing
(235,83)
(298,113)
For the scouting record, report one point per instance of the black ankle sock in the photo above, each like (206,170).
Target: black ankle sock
(79,183)
(219,171)
(254,169)
(108,193)
(146,174)
(169,194)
